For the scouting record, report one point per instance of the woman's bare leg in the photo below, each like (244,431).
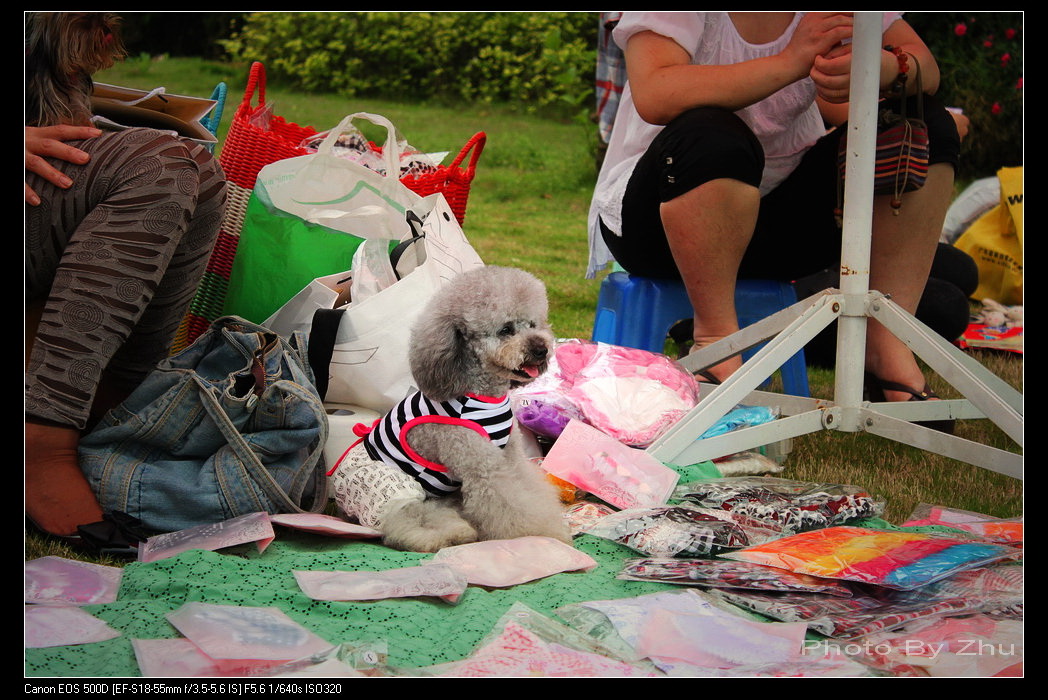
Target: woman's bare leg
(708,230)
(901,255)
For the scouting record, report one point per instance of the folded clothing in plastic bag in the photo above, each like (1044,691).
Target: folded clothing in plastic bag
(892,558)
(678,531)
(789,505)
(632,395)
(722,573)
(873,609)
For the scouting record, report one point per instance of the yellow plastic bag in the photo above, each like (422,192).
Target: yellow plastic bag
(995,241)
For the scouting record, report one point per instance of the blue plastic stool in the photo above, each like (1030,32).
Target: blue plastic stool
(637,312)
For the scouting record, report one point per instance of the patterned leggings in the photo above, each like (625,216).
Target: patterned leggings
(117,257)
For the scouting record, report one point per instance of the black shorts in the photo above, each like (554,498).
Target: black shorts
(796,232)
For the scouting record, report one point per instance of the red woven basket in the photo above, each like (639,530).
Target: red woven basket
(453,180)
(249,147)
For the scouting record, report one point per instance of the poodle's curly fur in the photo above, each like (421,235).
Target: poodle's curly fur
(483,333)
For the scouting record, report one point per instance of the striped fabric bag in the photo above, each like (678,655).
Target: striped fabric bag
(901,159)
(255,139)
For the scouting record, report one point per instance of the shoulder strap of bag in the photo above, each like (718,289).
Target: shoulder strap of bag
(417,234)
(253,468)
(322,334)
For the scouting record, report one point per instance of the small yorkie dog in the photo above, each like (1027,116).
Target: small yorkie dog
(63,50)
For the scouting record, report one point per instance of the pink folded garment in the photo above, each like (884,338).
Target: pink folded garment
(632,395)
(502,563)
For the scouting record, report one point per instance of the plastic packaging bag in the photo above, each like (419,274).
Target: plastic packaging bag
(671,531)
(502,563)
(352,145)
(253,527)
(325,525)
(406,582)
(873,609)
(63,625)
(785,504)
(741,417)
(61,581)
(235,632)
(902,560)
(582,515)
(1001,530)
(632,395)
(670,628)
(524,643)
(721,573)
(599,464)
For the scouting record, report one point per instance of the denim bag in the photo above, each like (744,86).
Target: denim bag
(231,425)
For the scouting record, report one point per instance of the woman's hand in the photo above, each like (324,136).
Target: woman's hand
(831,73)
(49,142)
(817,34)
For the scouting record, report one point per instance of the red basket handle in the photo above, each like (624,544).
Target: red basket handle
(478,140)
(257,77)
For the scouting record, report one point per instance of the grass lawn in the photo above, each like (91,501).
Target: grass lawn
(528,209)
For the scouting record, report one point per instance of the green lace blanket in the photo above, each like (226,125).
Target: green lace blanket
(417,632)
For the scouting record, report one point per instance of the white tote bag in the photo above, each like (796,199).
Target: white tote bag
(359,352)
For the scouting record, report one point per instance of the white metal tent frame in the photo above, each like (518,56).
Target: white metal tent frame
(786,332)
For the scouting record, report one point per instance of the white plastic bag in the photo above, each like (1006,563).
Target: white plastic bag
(326,189)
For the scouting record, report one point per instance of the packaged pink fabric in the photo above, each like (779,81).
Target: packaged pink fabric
(632,395)
(231,632)
(325,525)
(434,580)
(63,625)
(976,646)
(61,581)
(717,639)
(253,527)
(685,627)
(180,658)
(519,652)
(598,464)
(524,643)
(502,563)
(1007,531)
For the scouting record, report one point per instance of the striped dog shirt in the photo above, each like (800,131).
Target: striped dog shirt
(491,417)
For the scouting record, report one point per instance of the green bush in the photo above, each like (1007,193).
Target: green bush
(980,56)
(539,61)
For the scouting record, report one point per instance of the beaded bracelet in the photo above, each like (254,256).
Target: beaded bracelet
(899,84)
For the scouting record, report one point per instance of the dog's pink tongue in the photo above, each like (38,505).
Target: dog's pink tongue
(531,371)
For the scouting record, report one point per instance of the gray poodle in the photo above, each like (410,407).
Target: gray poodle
(443,467)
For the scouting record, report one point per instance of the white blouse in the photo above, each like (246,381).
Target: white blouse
(787,123)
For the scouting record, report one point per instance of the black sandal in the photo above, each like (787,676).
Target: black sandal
(117,534)
(704,375)
(875,388)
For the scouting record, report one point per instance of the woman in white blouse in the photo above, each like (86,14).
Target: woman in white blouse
(720,166)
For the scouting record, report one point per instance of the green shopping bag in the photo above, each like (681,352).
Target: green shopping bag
(278,255)
(307,216)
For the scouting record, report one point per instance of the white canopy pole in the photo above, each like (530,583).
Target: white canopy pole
(858,210)
(985,395)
